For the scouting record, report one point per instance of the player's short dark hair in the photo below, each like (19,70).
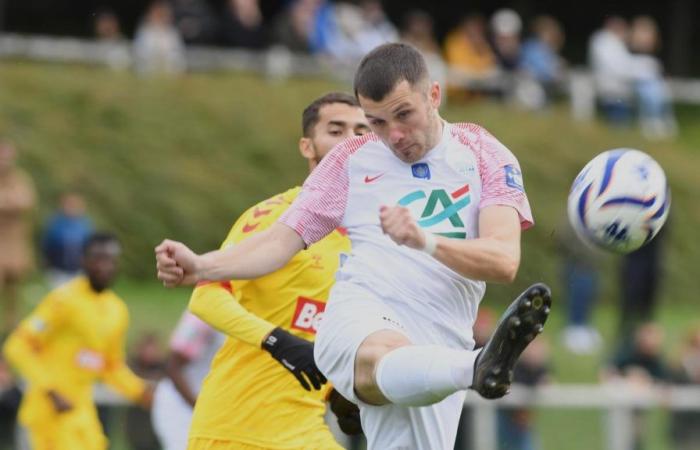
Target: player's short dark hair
(311,114)
(99,238)
(386,66)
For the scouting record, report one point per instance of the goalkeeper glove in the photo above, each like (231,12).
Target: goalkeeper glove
(347,413)
(296,355)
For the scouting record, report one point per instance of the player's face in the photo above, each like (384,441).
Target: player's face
(337,122)
(406,119)
(101,264)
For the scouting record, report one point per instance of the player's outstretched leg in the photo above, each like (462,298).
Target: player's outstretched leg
(520,324)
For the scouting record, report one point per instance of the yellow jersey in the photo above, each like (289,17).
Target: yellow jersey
(73,338)
(248,397)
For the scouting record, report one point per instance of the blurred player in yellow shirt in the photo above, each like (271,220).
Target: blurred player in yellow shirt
(250,400)
(74,338)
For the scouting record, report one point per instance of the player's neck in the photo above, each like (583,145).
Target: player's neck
(437,131)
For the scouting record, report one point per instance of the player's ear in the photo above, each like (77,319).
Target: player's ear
(435,94)
(306,148)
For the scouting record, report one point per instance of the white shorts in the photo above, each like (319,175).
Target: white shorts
(352,314)
(171,416)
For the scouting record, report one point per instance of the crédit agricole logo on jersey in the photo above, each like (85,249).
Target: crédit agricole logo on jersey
(439,210)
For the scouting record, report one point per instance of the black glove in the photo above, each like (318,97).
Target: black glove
(296,355)
(348,413)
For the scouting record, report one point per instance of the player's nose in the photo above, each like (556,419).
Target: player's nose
(395,135)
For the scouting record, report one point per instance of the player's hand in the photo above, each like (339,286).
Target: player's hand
(397,222)
(176,264)
(296,355)
(146,400)
(347,413)
(60,403)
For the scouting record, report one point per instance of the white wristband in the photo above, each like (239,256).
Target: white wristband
(430,243)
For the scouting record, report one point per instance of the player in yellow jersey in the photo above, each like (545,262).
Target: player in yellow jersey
(74,338)
(250,400)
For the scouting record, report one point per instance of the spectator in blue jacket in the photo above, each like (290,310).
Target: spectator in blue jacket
(63,238)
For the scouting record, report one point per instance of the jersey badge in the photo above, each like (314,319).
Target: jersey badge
(514,177)
(421,170)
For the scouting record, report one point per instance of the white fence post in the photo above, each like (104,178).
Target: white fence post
(484,428)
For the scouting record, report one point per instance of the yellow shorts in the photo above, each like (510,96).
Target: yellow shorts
(214,444)
(67,433)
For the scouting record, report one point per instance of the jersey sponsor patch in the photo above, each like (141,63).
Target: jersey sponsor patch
(90,360)
(514,177)
(308,315)
(421,170)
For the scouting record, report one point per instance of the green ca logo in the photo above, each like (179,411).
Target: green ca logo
(451,205)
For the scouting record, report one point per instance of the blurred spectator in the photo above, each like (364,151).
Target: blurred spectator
(539,56)
(193,345)
(242,25)
(685,425)
(417,30)
(377,29)
(114,48)
(580,280)
(158,46)
(294,27)
(64,236)
(148,362)
(195,21)
(10,397)
(17,201)
(467,48)
(353,30)
(640,280)
(640,365)
(515,428)
(506,26)
(643,361)
(652,94)
(613,69)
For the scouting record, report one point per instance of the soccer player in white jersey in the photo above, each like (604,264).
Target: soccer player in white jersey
(434,210)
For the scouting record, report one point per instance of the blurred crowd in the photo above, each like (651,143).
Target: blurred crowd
(498,56)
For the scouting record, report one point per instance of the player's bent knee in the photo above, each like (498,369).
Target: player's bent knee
(370,352)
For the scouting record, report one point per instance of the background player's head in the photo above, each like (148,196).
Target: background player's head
(327,122)
(101,260)
(400,101)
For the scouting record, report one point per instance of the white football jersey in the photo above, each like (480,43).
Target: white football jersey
(467,171)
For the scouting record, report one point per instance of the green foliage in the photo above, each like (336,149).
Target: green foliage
(182,158)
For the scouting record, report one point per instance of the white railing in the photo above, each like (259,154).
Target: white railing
(620,400)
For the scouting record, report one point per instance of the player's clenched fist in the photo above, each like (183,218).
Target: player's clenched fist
(176,264)
(397,222)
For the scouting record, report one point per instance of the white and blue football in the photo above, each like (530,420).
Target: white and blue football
(620,200)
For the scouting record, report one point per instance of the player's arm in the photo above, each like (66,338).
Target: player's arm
(259,255)
(188,341)
(175,371)
(26,343)
(494,256)
(118,375)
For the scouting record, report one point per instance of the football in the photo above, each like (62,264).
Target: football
(619,201)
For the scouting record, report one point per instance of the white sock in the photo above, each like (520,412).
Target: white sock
(420,375)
